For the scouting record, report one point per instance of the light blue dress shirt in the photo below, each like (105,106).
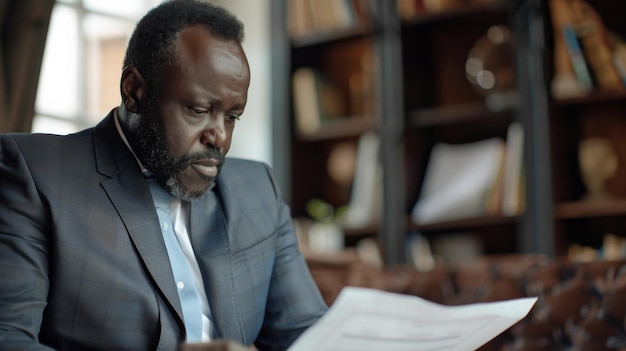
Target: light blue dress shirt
(186,287)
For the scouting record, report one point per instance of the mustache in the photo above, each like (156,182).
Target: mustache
(188,159)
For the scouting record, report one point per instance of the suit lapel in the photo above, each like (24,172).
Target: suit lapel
(129,193)
(209,236)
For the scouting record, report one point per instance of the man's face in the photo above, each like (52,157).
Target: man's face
(190,115)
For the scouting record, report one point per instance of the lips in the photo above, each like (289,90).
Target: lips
(207,168)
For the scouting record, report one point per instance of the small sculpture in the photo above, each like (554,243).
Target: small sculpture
(598,163)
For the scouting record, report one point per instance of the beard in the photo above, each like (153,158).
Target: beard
(150,145)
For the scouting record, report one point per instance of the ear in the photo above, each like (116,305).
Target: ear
(133,89)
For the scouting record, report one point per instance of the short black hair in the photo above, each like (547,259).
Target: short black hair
(152,42)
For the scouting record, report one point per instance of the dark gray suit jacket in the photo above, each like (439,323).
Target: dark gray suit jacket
(83,265)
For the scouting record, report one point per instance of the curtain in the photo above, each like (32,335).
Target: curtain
(23,31)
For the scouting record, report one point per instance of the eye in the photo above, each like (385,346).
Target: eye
(231,117)
(197,110)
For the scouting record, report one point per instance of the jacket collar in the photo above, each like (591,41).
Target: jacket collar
(130,194)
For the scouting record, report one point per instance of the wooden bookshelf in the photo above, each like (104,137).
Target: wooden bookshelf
(423,97)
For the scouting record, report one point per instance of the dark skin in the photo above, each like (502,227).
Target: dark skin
(198,100)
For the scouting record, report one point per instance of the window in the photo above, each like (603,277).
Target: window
(82,63)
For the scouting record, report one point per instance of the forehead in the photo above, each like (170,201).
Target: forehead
(197,51)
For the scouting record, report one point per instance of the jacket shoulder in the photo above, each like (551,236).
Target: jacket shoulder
(237,168)
(248,176)
(45,146)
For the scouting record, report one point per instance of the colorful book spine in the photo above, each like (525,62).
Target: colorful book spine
(577,57)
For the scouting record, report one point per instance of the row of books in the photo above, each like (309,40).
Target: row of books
(588,57)
(315,99)
(310,16)
(320,95)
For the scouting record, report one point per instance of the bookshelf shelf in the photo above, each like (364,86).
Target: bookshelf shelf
(365,231)
(466,223)
(448,115)
(593,98)
(341,127)
(581,209)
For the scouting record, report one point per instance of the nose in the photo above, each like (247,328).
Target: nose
(214,134)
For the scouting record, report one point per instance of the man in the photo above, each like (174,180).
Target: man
(138,234)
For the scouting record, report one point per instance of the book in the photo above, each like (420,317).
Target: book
(307,109)
(595,41)
(310,16)
(458,180)
(577,58)
(321,18)
(512,189)
(619,59)
(314,99)
(564,82)
(366,196)
(493,202)
(587,43)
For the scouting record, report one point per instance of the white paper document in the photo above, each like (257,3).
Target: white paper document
(363,319)
(458,180)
